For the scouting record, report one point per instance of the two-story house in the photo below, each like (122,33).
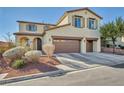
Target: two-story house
(31,34)
(77,31)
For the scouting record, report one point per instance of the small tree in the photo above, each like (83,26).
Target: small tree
(48,49)
(9,38)
(104,34)
(113,30)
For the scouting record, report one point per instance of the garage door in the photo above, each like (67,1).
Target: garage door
(67,46)
(89,46)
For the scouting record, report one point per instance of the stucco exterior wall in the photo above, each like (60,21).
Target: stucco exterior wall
(64,21)
(22,27)
(31,38)
(71,31)
(86,14)
(94,46)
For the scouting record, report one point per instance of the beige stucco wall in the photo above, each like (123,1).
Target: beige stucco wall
(22,27)
(31,38)
(85,14)
(74,32)
(77,32)
(64,21)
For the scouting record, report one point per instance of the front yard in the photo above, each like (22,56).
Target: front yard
(21,61)
(42,66)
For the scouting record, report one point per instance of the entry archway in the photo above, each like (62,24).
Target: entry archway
(24,41)
(37,43)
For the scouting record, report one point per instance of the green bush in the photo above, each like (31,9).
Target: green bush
(17,64)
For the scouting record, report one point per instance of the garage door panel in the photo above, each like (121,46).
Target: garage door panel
(89,46)
(67,46)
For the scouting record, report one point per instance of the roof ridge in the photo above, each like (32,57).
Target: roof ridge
(35,22)
(86,8)
(58,26)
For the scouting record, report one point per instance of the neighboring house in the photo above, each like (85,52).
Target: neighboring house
(119,42)
(77,31)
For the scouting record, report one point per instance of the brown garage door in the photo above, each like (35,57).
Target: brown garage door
(89,46)
(67,46)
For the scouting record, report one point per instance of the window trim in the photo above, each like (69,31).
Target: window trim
(31,27)
(77,22)
(82,25)
(95,24)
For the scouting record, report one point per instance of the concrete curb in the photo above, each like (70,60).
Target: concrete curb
(33,76)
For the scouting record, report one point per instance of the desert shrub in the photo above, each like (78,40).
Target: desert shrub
(32,56)
(3,49)
(7,47)
(48,49)
(14,53)
(17,64)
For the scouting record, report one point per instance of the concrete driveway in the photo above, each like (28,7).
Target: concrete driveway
(89,60)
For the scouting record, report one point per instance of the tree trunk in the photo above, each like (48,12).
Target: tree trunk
(113,46)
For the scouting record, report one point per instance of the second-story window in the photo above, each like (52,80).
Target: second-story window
(78,22)
(92,23)
(31,27)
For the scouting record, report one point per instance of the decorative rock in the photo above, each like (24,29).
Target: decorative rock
(14,53)
(33,55)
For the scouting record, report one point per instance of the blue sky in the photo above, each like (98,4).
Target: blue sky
(9,16)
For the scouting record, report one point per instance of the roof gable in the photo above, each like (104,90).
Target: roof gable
(81,9)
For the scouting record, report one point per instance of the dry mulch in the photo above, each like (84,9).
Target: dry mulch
(44,65)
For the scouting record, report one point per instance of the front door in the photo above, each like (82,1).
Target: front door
(39,44)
